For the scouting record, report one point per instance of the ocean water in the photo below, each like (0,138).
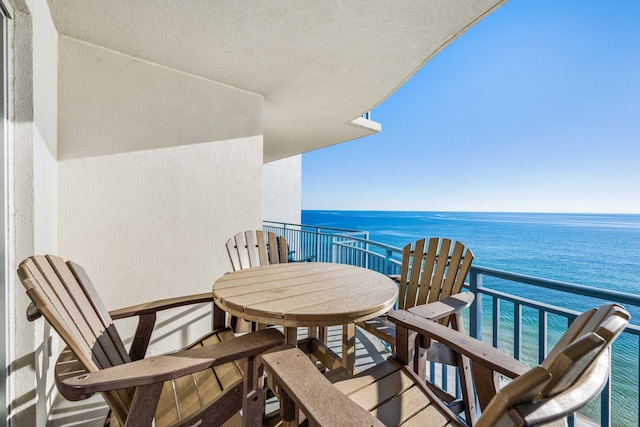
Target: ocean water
(597,250)
(593,250)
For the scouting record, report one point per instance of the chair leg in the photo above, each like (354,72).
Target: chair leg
(288,410)
(464,372)
(254,393)
(145,401)
(218,317)
(323,335)
(420,362)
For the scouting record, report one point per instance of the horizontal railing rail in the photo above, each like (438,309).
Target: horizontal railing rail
(311,242)
(526,328)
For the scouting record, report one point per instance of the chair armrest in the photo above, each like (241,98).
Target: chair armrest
(159,305)
(304,259)
(302,386)
(478,351)
(162,368)
(307,258)
(438,309)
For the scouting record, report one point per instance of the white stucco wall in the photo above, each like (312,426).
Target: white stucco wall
(153,224)
(282,188)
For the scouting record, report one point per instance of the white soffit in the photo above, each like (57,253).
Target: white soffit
(318,64)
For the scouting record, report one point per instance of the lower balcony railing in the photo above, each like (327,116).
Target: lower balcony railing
(521,315)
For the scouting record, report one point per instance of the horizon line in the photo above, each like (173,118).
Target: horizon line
(477,211)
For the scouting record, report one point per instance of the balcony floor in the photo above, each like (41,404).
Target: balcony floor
(92,412)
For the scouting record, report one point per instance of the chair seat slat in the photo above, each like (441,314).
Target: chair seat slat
(403,407)
(382,390)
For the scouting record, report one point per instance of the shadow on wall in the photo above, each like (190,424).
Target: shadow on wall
(177,325)
(22,407)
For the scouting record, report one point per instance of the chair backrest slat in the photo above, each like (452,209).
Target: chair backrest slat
(439,273)
(463,270)
(283,250)
(274,252)
(243,251)
(404,271)
(234,257)
(427,281)
(453,270)
(263,255)
(414,274)
(251,249)
(92,295)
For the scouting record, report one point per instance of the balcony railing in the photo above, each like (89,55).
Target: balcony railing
(503,313)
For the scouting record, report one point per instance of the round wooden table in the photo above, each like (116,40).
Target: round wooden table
(308,294)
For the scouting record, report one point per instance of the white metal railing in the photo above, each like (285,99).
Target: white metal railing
(522,326)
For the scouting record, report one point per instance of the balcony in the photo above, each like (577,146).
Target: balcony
(507,312)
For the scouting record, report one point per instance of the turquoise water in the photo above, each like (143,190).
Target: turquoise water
(598,250)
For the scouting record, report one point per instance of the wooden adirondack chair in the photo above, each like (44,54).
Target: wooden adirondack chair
(391,394)
(431,277)
(430,272)
(250,249)
(208,382)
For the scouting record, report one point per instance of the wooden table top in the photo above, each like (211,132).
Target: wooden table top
(305,294)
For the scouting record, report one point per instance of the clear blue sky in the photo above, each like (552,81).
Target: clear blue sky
(534,109)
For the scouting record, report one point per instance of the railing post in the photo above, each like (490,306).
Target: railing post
(475,311)
(517,331)
(334,249)
(387,261)
(542,335)
(318,243)
(605,402)
(366,248)
(495,322)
